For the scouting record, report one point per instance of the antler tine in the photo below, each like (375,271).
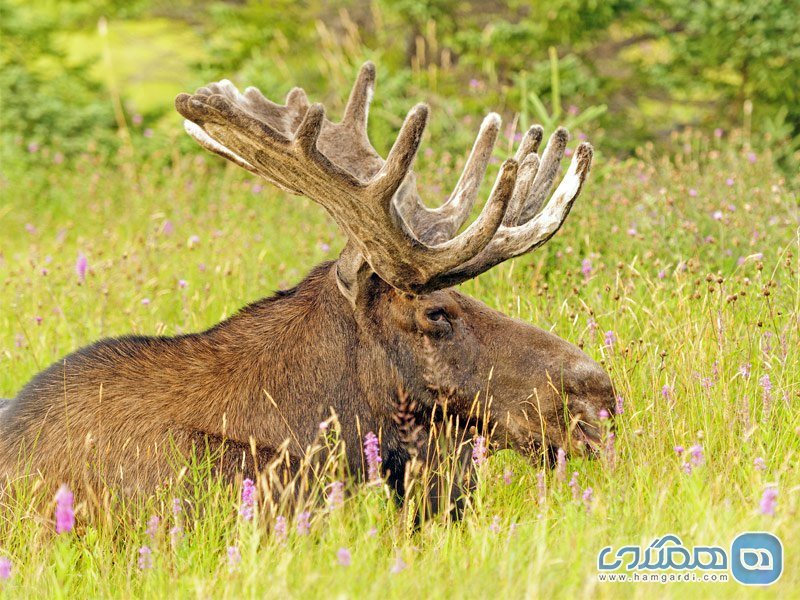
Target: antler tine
(509,242)
(530,142)
(401,157)
(356,112)
(545,176)
(527,174)
(207,142)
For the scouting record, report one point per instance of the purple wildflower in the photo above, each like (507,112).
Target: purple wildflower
(247,507)
(609,339)
(372,453)
(145,558)
(586,268)
(575,486)
(177,507)
(619,408)
(751,157)
(718,132)
(603,414)
(494,527)
(325,247)
(5,568)
(541,487)
(152,527)
(744,370)
(397,566)
(662,274)
(193,241)
(588,494)
(176,535)
(304,523)
(666,392)
(234,558)
(561,465)
(508,476)
(80,267)
(766,384)
(167,228)
(679,450)
(474,84)
(280,528)
(182,283)
(479,451)
(592,324)
(335,494)
(344,557)
(687,468)
(769,501)
(729,181)
(759,464)
(693,192)
(696,452)
(65,514)
(610,450)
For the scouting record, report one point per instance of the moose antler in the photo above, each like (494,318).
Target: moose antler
(375,202)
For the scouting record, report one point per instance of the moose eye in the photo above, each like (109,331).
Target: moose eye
(436,315)
(437,322)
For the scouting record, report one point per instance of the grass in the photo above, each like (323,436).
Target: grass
(691,261)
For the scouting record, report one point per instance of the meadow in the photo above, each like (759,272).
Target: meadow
(678,269)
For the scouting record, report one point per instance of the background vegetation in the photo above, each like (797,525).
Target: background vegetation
(684,246)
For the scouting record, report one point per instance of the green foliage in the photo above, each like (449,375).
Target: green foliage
(46,100)
(657,65)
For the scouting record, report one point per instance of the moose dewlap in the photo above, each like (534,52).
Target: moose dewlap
(378,327)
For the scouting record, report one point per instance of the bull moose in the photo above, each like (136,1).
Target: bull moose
(350,335)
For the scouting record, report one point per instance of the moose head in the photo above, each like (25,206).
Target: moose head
(402,258)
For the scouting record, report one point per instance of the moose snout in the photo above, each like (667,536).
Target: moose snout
(572,411)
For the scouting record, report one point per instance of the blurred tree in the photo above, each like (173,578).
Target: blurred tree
(46,100)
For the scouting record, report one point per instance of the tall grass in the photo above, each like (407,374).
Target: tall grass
(679,273)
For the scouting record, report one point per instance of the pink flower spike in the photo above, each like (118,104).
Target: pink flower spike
(769,501)
(344,557)
(561,465)
(372,452)
(234,558)
(248,501)
(479,451)
(5,568)
(80,267)
(65,513)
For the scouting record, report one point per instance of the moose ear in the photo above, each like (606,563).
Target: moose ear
(353,273)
